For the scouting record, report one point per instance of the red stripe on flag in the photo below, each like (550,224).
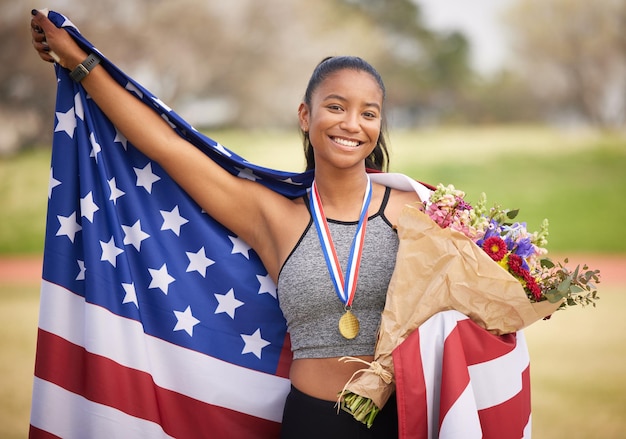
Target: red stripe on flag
(497,421)
(131,391)
(454,369)
(411,391)
(285,359)
(480,345)
(37,433)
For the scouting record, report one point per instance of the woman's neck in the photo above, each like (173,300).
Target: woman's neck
(342,195)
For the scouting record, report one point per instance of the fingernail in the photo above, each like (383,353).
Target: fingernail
(34,12)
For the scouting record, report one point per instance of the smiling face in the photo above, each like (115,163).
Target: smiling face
(344,118)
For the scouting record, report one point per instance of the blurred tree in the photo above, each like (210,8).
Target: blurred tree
(573,54)
(425,71)
(21,107)
(502,98)
(250,60)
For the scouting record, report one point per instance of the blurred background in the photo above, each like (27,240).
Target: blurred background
(522,99)
(244,64)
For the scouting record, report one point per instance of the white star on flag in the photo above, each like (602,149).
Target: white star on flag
(115,192)
(78,107)
(159,102)
(223,150)
(67,122)
(167,119)
(246,173)
(267,285)
(52,183)
(290,181)
(81,273)
(110,251)
(120,138)
(145,177)
(131,294)
(160,278)
(131,87)
(133,235)
(186,321)
(254,343)
(172,220)
(69,226)
(88,207)
(198,262)
(68,22)
(239,246)
(95,147)
(227,303)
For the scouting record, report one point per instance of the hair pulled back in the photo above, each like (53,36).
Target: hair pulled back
(379,158)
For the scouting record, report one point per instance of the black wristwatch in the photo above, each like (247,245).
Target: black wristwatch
(83,69)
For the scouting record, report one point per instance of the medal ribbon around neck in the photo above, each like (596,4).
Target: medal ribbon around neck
(345,290)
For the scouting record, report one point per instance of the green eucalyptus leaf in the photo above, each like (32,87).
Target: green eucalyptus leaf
(511,214)
(554,296)
(565,285)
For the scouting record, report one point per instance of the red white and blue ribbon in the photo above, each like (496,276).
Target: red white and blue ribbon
(345,285)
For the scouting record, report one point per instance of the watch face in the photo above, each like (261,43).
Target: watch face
(79,73)
(84,68)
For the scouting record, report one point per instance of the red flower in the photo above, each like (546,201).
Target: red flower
(533,287)
(495,247)
(530,283)
(515,265)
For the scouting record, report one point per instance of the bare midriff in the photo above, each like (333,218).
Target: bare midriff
(324,378)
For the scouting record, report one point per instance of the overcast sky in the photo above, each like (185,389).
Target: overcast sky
(478,20)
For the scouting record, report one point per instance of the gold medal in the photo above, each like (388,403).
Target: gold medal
(349,325)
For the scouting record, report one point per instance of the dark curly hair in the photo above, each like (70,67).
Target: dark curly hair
(379,158)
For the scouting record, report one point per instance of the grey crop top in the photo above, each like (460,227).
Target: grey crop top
(308,299)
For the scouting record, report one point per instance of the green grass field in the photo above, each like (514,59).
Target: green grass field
(577,180)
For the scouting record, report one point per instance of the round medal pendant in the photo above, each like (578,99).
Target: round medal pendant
(349,325)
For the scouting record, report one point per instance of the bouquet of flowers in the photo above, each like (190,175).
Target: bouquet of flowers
(512,246)
(475,260)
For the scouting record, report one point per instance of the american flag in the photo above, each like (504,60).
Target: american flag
(155,320)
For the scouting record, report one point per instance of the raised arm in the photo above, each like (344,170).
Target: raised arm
(241,205)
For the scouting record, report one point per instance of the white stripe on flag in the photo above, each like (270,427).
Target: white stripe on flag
(72,416)
(462,420)
(432,338)
(500,379)
(227,385)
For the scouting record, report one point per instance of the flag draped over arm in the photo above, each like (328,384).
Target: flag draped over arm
(155,320)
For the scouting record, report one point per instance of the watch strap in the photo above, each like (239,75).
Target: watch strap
(83,69)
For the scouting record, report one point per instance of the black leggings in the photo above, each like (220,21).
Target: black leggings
(308,417)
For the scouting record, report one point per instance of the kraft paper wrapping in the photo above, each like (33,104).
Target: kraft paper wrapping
(437,270)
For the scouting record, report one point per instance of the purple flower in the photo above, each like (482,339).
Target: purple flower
(524,248)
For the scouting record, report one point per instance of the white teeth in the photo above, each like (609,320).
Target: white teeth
(346,142)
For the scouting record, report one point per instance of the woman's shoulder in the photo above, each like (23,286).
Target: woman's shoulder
(397,200)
